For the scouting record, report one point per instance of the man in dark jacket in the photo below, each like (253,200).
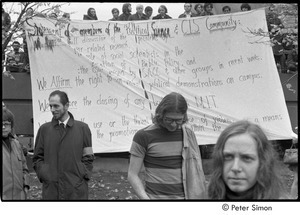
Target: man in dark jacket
(15,58)
(187,11)
(63,154)
(126,9)
(139,15)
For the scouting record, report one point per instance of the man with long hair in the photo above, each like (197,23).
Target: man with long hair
(169,151)
(126,12)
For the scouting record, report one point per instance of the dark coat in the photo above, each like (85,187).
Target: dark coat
(63,160)
(160,17)
(87,17)
(125,12)
(90,16)
(15,61)
(184,15)
(113,19)
(208,13)
(135,17)
(124,17)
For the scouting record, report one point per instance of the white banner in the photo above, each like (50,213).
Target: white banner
(116,73)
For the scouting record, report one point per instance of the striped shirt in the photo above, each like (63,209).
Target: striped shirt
(162,154)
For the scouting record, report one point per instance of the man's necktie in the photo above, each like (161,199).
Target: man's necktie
(62,127)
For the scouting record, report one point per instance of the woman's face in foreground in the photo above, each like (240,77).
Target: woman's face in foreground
(241,163)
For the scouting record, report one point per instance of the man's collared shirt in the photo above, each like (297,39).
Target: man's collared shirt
(65,122)
(188,15)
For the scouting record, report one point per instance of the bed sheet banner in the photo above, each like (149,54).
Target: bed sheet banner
(116,73)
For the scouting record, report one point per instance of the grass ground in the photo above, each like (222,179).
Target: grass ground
(109,185)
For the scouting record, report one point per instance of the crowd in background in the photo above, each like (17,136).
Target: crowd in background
(146,13)
(284,48)
(283,43)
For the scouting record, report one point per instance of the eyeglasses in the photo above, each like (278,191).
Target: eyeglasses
(6,124)
(170,121)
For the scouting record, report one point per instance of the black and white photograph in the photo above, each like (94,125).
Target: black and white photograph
(161,102)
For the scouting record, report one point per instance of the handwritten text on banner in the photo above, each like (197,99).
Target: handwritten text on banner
(116,73)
